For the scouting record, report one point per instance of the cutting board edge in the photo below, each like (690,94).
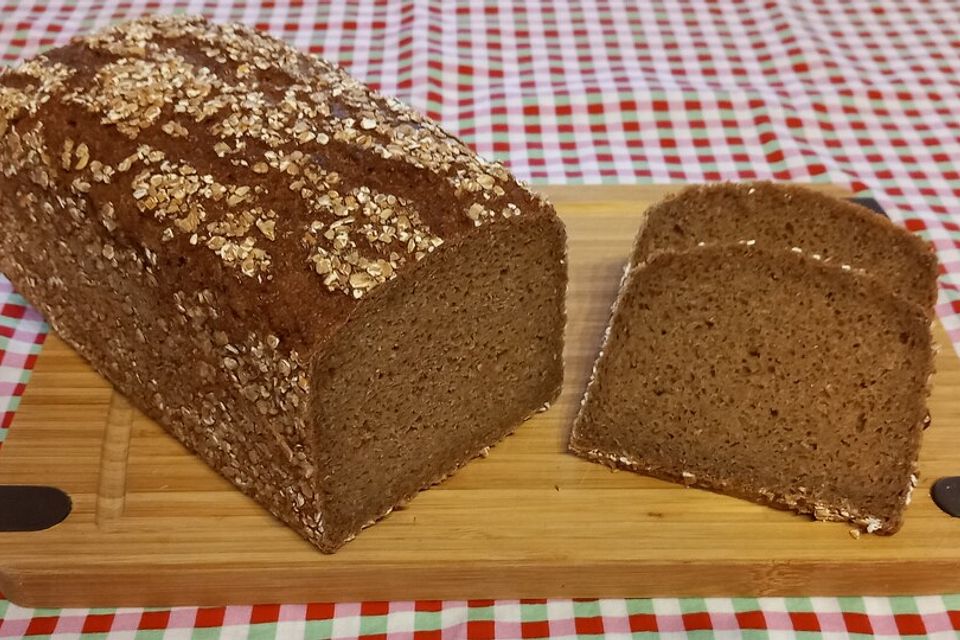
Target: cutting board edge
(175,587)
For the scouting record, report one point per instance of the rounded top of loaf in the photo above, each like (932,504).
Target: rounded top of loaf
(787,216)
(239,172)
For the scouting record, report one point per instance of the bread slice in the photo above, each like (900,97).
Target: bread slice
(785,216)
(326,297)
(764,375)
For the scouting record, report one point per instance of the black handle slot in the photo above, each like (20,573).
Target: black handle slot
(32,508)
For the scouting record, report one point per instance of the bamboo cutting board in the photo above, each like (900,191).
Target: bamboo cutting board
(151,525)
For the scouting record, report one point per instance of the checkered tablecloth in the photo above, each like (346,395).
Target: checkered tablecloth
(860,93)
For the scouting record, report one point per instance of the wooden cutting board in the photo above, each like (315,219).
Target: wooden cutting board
(151,525)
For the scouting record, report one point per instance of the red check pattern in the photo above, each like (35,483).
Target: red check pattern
(858,93)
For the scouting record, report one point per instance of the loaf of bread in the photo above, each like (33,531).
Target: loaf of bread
(766,375)
(783,216)
(330,300)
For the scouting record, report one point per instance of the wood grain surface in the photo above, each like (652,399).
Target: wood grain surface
(152,525)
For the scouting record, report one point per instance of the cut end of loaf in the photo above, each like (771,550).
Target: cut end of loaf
(438,369)
(766,376)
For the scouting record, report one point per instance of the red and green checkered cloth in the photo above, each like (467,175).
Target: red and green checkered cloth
(859,93)
(927,617)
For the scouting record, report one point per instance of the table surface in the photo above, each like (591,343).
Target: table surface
(857,93)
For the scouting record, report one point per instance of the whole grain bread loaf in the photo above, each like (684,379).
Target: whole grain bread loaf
(326,297)
(785,216)
(766,375)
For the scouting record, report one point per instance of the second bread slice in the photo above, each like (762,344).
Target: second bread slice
(764,375)
(780,216)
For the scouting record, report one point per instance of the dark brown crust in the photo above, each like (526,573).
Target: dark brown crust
(199,210)
(586,442)
(786,216)
(449,182)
